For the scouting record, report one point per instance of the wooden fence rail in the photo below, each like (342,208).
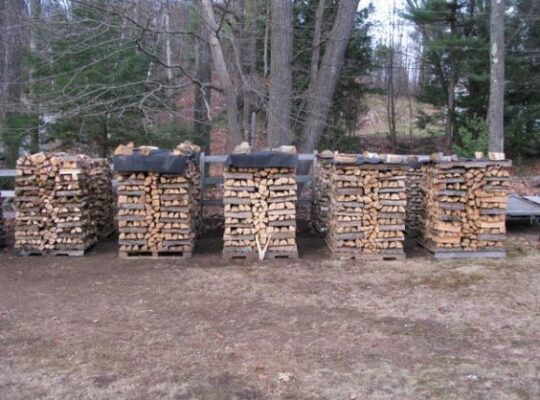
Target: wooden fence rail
(206,181)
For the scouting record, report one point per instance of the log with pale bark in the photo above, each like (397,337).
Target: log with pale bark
(465,206)
(367,209)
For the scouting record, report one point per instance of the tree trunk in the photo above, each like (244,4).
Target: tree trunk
(266,34)
(203,94)
(281,43)
(13,44)
(238,40)
(250,97)
(390,102)
(34,108)
(496,87)
(320,100)
(451,88)
(223,72)
(168,52)
(316,52)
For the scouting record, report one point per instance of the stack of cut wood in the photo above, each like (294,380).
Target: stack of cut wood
(101,180)
(415,209)
(54,201)
(2,229)
(321,189)
(32,185)
(367,208)
(155,212)
(193,173)
(260,211)
(465,203)
(73,213)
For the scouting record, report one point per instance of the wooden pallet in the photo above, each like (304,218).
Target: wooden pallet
(253,255)
(369,257)
(53,253)
(154,254)
(456,254)
(240,255)
(274,255)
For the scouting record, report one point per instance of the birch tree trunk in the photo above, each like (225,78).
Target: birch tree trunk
(496,87)
(281,54)
(319,102)
(223,72)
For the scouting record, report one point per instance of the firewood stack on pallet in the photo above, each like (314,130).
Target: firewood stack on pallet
(193,173)
(465,203)
(101,179)
(155,204)
(55,197)
(321,187)
(367,208)
(260,204)
(415,209)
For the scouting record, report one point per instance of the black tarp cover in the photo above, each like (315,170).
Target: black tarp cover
(161,161)
(262,159)
(368,160)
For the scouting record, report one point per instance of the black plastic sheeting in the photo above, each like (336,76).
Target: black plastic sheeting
(161,161)
(262,159)
(362,160)
(368,160)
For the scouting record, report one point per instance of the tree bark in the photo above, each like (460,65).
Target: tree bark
(168,52)
(203,94)
(223,72)
(450,126)
(250,96)
(35,12)
(281,43)
(496,87)
(316,52)
(266,35)
(320,100)
(390,102)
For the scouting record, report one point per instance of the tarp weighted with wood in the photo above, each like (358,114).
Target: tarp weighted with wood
(160,161)
(262,159)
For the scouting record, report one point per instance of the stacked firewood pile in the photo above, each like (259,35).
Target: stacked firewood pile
(367,208)
(465,203)
(156,208)
(414,209)
(321,188)
(260,207)
(193,174)
(101,180)
(56,197)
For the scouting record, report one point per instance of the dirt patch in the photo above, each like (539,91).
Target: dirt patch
(100,327)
